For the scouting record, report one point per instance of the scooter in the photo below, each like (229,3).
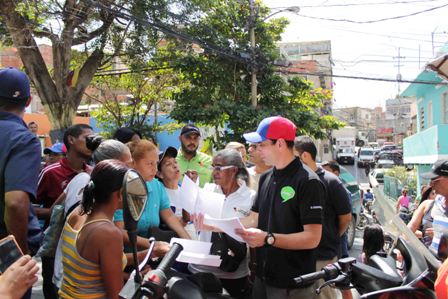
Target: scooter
(164,282)
(379,278)
(407,269)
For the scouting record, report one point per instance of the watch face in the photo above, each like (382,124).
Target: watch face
(271,240)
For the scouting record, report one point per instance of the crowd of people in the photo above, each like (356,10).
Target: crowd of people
(295,212)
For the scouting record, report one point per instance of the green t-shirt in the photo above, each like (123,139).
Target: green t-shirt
(201,163)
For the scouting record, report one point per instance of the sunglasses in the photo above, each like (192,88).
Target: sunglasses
(221,168)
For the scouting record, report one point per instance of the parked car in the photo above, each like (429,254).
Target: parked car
(376,177)
(365,156)
(389,159)
(351,184)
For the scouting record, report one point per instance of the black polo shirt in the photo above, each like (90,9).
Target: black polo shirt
(19,168)
(287,199)
(337,202)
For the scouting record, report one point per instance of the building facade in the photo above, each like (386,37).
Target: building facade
(430,142)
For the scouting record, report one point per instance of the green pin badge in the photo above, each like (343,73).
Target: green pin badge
(287,193)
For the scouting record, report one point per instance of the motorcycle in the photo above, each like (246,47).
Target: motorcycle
(407,269)
(163,281)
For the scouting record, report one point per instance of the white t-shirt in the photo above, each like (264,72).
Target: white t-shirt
(237,204)
(174,197)
(73,193)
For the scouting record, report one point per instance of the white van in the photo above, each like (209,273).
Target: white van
(365,156)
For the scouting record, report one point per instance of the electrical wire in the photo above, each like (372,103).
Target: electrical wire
(377,20)
(283,71)
(367,4)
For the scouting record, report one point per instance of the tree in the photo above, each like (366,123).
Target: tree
(219,90)
(127,99)
(94,26)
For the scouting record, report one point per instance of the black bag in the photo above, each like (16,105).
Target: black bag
(231,251)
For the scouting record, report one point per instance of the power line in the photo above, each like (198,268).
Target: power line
(284,71)
(367,4)
(377,20)
(242,58)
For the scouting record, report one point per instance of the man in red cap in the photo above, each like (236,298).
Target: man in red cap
(285,223)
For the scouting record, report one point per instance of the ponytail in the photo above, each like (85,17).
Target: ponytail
(88,198)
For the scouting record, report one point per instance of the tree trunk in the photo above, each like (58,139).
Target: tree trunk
(59,100)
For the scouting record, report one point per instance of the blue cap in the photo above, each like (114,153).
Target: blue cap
(56,148)
(14,84)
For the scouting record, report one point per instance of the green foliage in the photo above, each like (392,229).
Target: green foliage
(128,99)
(219,90)
(406,178)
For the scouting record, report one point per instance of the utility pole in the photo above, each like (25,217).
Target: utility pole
(398,74)
(252,24)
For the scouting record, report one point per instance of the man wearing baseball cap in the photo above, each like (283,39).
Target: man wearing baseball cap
(285,223)
(189,158)
(19,162)
(54,153)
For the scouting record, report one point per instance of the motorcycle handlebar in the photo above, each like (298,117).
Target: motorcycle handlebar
(328,272)
(170,257)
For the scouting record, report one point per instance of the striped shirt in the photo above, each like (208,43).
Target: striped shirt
(82,278)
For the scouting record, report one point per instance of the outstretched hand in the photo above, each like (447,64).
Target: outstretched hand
(254,237)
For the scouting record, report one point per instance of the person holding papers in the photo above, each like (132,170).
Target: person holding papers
(145,156)
(230,178)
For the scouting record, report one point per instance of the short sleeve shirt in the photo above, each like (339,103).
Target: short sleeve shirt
(337,202)
(157,201)
(53,179)
(287,199)
(201,163)
(19,163)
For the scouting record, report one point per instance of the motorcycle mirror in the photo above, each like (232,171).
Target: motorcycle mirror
(442,252)
(135,196)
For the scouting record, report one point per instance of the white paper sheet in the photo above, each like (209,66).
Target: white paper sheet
(210,203)
(188,194)
(196,252)
(199,259)
(193,246)
(227,225)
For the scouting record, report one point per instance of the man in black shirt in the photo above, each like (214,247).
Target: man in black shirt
(337,210)
(285,223)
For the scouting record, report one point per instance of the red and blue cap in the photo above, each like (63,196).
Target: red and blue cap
(274,127)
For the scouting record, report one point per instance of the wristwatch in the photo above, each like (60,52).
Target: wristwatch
(269,240)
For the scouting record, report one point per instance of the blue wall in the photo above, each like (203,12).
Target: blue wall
(164,139)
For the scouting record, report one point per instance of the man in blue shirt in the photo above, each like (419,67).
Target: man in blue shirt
(19,158)
(19,163)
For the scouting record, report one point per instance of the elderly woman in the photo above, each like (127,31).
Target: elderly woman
(230,178)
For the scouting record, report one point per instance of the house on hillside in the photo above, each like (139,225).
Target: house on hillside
(430,142)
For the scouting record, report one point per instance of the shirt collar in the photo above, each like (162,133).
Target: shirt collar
(289,170)
(64,163)
(180,154)
(12,117)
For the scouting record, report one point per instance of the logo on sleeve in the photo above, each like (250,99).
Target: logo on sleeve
(287,193)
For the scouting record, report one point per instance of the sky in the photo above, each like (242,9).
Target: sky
(370,49)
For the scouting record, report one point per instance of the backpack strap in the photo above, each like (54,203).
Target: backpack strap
(71,209)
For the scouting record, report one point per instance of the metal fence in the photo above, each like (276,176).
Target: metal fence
(392,188)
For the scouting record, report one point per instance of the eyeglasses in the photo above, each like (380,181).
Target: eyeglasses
(221,168)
